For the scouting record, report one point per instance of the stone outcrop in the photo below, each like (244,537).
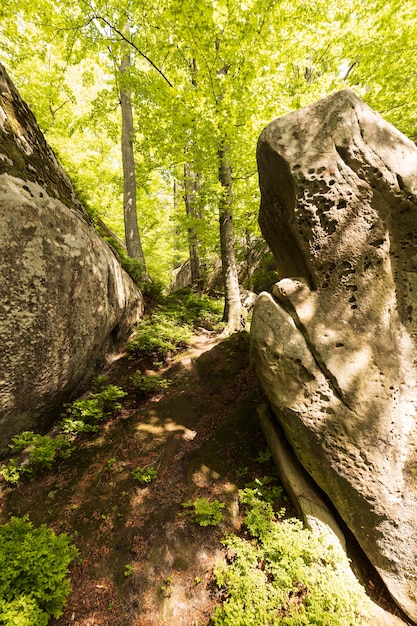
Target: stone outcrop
(64,299)
(334,345)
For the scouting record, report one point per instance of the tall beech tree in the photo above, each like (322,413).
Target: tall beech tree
(191,188)
(132,236)
(256,60)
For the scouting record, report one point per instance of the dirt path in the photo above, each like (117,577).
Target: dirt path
(143,561)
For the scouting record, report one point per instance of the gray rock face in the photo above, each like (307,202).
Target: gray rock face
(334,346)
(64,299)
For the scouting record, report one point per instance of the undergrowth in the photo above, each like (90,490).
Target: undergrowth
(168,329)
(144,475)
(147,385)
(34,452)
(205,512)
(84,414)
(282,573)
(172,324)
(34,566)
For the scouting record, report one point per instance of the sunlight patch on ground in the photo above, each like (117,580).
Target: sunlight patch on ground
(154,426)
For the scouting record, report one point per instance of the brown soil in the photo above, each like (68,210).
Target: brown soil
(143,562)
(203,438)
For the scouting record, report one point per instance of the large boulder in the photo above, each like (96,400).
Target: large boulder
(64,299)
(334,345)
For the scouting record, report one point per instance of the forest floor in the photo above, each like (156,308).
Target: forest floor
(143,562)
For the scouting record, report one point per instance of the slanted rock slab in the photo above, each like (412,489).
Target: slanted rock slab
(334,345)
(65,301)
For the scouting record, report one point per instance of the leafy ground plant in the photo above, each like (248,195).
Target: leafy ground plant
(145,475)
(159,336)
(84,414)
(205,512)
(42,451)
(192,310)
(147,385)
(34,566)
(173,322)
(283,574)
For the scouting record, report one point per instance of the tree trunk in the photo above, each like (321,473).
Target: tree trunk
(233,310)
(190,187)
(133,242)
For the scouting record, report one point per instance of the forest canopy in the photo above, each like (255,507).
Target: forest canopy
(154,108)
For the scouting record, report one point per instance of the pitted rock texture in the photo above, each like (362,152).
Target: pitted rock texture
(334,345)
(64,299)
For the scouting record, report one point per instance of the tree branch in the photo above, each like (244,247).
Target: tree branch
(133,45)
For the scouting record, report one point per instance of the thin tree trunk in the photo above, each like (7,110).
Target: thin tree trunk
(133,242)
(233,312)
(176,231)
(249,259)
(190,188)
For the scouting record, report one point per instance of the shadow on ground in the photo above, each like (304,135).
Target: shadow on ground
(143,561)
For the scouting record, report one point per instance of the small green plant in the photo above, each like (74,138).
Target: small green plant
(167,587)
(42,451)
(33,573)
(264,457)
(284,574)
(159,336)
(145,475)
(100,382)
(261,488)
(128,570)
(11,471)
(111,464)
(148,385)
(204,512)
(82,415)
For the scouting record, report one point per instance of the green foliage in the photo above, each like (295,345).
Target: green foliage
(33,573)
(148,385)
(159,336)
(264,457)
(145,475)
(172,324)
(42,452)
(132,266)
(83,414)
(193,310)
(167,587)
(284,574)
(260,488)
(304,50)
(111,464)
(204,512)
(11,471)
(128,570)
